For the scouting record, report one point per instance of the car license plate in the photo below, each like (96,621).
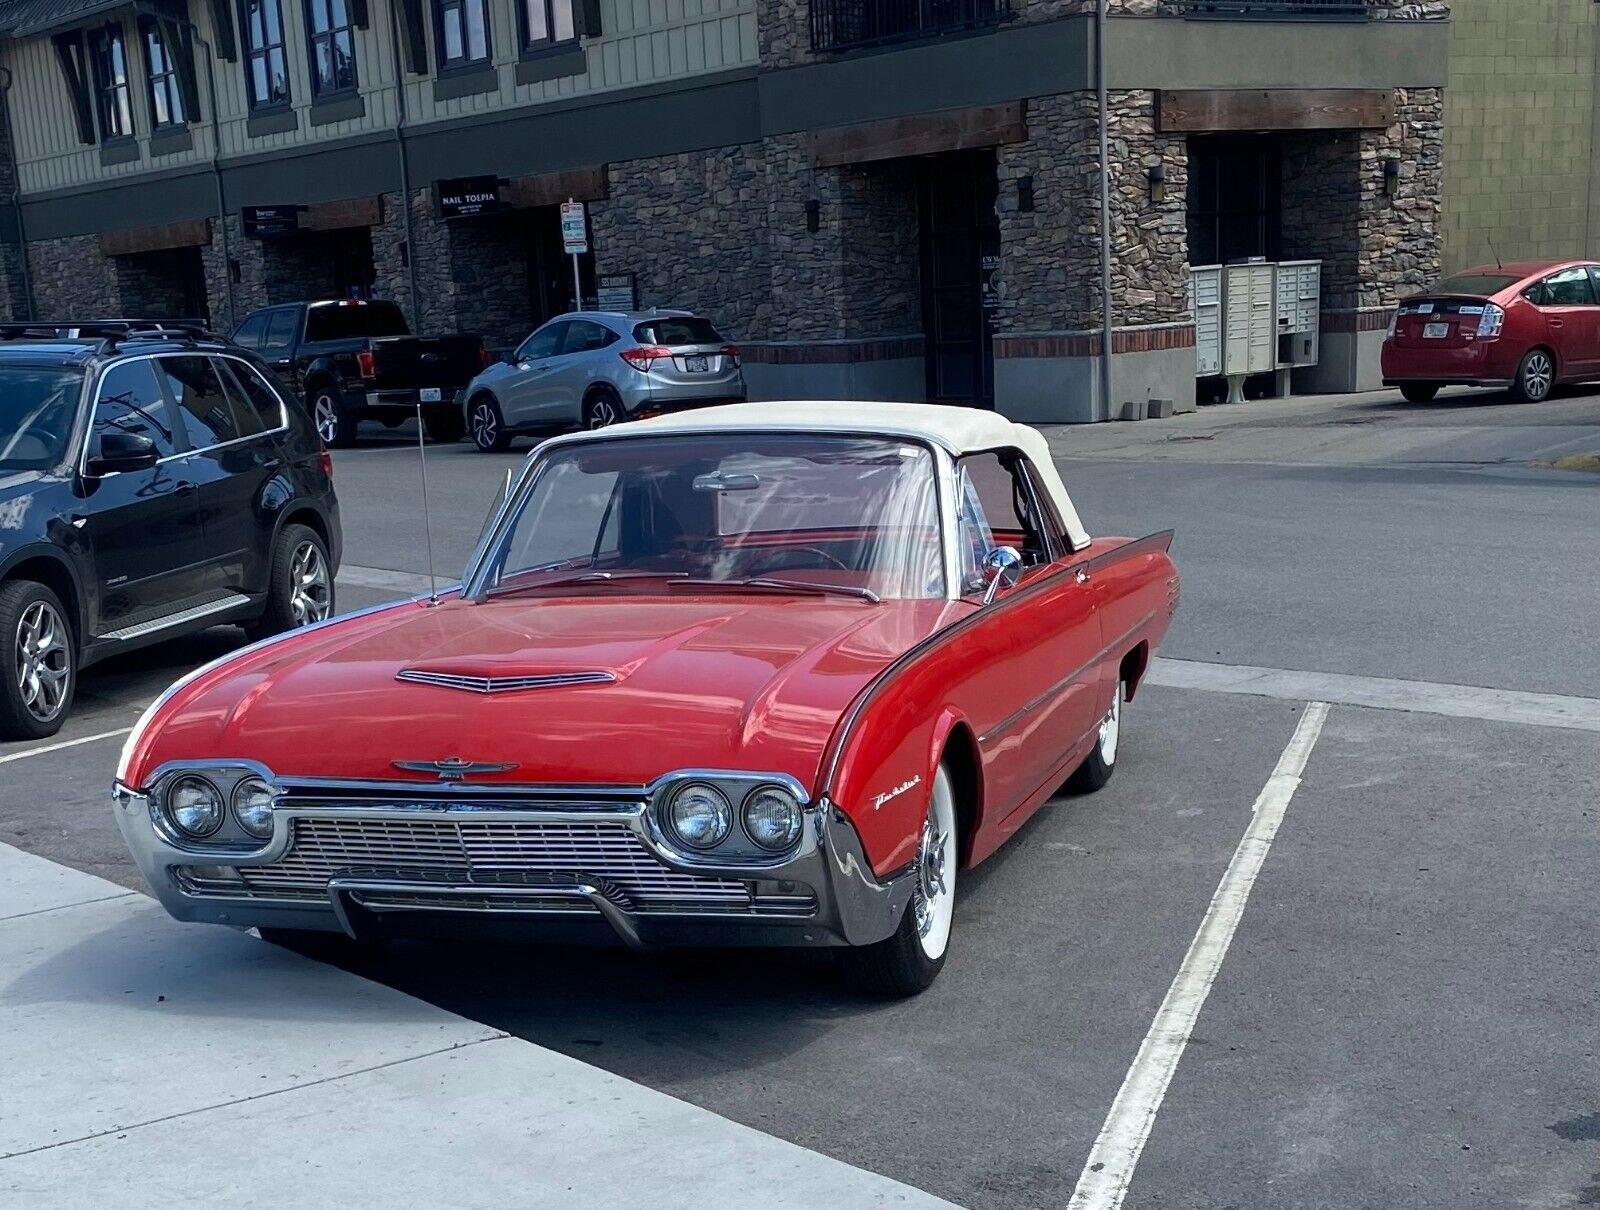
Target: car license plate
(432,394)
(695,363)
(1435,331)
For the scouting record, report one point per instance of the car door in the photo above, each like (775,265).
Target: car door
(252,332)
(527,398)
(1567,302)
(143,527)
(1041,683)
(235,456)
(577,366)
(278,343)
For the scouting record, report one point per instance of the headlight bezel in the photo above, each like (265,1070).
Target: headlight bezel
(737,848)
(224,776)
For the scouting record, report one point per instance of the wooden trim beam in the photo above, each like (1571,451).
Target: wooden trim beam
(1201,110)
(553,188)
(924,134)
(189,233)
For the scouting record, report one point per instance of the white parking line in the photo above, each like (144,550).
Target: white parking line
(1383,693)
(66,743)
(1109,1169)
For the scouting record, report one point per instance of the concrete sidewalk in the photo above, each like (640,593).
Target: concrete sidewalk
(144,1063)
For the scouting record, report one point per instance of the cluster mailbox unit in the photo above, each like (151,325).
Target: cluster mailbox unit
(1255,317)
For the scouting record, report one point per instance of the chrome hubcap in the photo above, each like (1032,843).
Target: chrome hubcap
(326,418)
(310,596)
(1110,726)
(933,901)
(602,413)
(44,661)
(1539,375)
(483,425)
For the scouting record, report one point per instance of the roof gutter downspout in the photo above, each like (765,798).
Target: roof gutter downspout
(405,165)
(16,198)
(1105,210)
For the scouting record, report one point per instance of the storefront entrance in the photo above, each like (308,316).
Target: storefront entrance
(318,264)
(167,284)
(512,274)
(1235,198)
(959,229)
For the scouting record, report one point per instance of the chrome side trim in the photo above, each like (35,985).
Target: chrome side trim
(504,684)
(193,614)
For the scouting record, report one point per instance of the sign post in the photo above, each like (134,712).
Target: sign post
(574,239)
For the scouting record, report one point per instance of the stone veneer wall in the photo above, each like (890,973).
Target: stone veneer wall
(1050,258)
(71,277)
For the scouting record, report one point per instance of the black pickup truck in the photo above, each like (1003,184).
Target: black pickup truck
(354,359)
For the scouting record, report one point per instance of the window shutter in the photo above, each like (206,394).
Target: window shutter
(586,18)
(222,28)
(75,70)
(179,40)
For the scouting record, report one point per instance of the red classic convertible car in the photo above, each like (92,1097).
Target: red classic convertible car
(759,674)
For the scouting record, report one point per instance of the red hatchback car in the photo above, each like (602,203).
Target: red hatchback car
(1523,326)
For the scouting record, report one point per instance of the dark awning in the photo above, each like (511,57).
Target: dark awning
(25,18)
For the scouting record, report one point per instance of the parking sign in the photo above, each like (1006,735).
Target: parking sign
(574,232)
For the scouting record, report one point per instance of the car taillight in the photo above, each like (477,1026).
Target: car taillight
(645,356)
(731,352)
(483,357)
(1491,321)
(327,463)
(368,363)
(1394,324)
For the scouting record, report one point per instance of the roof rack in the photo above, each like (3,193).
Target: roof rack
(110,332)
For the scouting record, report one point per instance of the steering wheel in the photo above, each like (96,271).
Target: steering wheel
(784,560)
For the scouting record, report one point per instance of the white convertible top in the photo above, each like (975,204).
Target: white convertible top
(959,430)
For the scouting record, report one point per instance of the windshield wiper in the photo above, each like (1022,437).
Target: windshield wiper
(767,582)
(588,577)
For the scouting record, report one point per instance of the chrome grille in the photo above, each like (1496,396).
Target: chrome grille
(457,852)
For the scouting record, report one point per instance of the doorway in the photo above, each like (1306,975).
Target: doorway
(959,230)
(1235,198)
(550,267)
(167,284)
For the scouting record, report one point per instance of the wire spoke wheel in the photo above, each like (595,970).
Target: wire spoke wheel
(44,661)
(933,902)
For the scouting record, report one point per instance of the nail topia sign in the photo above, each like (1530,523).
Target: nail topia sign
(468,196)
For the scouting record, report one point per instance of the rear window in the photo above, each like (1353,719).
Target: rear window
(676,330)
(1475,283)
(350,320)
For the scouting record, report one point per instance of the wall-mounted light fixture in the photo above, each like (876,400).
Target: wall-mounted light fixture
(813,215)
(405,255)
(1025,194)
(234,272)
(1158,182)
(1391,177)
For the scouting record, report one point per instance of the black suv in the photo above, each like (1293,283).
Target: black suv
(154,480)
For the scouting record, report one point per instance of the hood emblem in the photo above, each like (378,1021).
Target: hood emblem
(454,768)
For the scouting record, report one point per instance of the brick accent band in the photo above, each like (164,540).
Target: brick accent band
(834,352)
(1087,344)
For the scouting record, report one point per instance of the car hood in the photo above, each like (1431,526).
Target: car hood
(735,682)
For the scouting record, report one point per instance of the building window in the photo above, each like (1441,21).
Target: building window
(545,22)
(112,101)
(333,47)
(166,100)
(266,65)
(461,30)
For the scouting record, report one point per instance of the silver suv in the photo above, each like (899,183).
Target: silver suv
(595,368)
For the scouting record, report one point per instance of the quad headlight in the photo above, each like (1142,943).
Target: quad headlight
(194,805)
(252,807)
(699,815)
(771,817)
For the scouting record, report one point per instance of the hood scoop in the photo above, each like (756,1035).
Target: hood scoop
(474,682)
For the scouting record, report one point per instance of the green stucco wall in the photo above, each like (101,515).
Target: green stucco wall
(1519,130)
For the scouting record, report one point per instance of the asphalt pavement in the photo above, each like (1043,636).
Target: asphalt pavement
(1401,1012)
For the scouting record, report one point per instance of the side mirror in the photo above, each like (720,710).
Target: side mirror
(1001,569)
(121,451)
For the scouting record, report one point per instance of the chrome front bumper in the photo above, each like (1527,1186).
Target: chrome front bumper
(436,868)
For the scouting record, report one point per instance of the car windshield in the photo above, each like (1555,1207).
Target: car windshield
(752,512)
(677,330)
(37,408)
(1474,283)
